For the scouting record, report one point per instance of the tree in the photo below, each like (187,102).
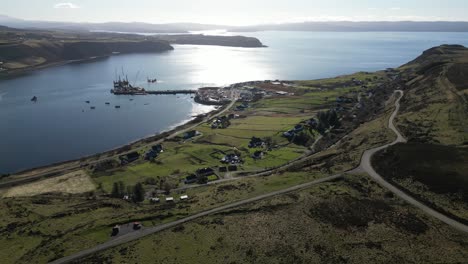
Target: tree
(167,187)
(121,188)
(116,191)
(321,128)
(303,139)
(333,118)
(202,179)
(138,193)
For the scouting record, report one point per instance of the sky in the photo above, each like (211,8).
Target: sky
(235,12)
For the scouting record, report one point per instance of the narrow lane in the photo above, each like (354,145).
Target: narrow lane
(366,166)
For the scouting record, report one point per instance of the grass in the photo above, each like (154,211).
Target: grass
(297,228)
(74,182)
(61,225)
(435,173)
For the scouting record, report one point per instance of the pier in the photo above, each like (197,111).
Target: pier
(143,92)
(173,92)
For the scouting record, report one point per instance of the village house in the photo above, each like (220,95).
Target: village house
(298,128)
(289,134)
(190,134)
(231,159)
(258,155)
(256,142)
(192,178)
(312,123)
(128,158)
(205,172)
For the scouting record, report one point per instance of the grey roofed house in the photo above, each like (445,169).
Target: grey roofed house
(157,148)
(205,172)
(256,142)
(191,134)
(258,154)
(130,157)
(192,178)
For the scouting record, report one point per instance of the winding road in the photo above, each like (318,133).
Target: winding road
(367,167)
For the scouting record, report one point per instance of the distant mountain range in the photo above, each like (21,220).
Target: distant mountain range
(342,26)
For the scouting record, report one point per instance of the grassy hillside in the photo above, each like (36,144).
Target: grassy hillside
(349,221)
(434,118)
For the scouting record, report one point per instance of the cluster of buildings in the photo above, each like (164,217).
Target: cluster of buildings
(214,96)
(231,159)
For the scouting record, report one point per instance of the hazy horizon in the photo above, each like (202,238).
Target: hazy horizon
(238,13)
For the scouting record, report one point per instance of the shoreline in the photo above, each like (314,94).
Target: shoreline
(119,150)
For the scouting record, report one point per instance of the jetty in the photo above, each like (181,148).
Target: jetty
(136,92)
(173,92)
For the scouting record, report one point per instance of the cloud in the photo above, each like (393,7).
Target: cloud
(66,6)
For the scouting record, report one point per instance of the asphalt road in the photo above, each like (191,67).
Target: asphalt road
(148,231)
(367,167)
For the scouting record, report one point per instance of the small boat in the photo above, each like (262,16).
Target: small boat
(34,99)
(87,102)
(117,106)
(107,103)
(131,99)
(152,80)
(93,107)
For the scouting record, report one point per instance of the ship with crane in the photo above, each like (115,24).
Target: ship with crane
(123,86)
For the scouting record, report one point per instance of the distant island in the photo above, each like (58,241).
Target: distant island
(22,50)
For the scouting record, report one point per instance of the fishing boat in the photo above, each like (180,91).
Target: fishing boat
(152,80)
(123,86)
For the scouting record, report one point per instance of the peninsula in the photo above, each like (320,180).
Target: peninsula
(22,50)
